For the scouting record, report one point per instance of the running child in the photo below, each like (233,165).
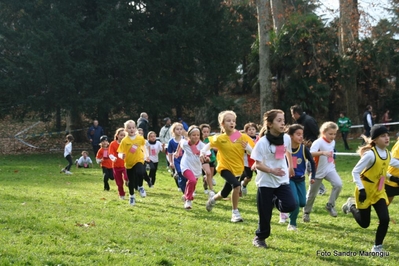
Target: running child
(300,156)
(392,184)
(84,161)
(103,159)
(68,154)
(273,161)
(131,150)
(322,150)
(118,165)
(174,159)
(208,167)
(369,175)
(190,164)
(250,129)
(231,146)
(154,147)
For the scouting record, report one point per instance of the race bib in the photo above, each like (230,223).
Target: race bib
(294,161)
(133,148)
(280,150)
(235,136)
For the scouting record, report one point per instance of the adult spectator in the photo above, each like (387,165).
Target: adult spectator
(185,126)
(93,134)
(311,129)
(368,120)
(142,123)
(165,134)
(386,118)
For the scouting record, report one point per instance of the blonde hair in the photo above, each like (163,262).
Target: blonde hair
(85,152)
(128,122)
(173,126)
(222,116)
(269,117)
(117,132)
(328,125)
(149,134)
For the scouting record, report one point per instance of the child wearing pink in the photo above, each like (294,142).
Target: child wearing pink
(190,164)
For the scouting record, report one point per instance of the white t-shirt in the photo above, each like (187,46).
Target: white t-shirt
(68,149)
(324,164)
(265,153)
(154,149)
(82,160)
(191,161)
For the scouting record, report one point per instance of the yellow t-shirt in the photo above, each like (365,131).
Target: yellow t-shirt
(392,170)
(133,150)
(230,155)
(371,181)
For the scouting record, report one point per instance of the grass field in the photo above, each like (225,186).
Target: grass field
(48,218)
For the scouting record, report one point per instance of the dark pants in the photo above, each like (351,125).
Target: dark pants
(69,159)
(280,197)
(96,147)
(362,217)
(135,176)
(231,182)
(344,138)
(108,174)
(153,172)
(181,181)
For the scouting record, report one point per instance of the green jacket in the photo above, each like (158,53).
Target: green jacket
(344,124)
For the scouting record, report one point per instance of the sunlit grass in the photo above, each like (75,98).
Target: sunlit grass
(48,218)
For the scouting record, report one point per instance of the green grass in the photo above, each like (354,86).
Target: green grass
(41,210)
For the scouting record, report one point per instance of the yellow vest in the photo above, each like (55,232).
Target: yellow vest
(371,179)
(392,170)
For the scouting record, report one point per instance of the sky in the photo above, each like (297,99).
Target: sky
(371,11)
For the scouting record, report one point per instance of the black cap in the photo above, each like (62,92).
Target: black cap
(103,138)
(377,131)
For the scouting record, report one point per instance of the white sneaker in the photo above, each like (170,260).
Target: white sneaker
(122,197)
(283,217)
(291,227)
(68,172)
(179,189)
(142,192)
(210,203)
(377,248)
(331,210)
(346,208)
(206,191)
(213,181)
(188,204)
(236,216)
(132,200)
(211,194)
(243,189)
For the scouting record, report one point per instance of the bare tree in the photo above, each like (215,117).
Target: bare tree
(264,27)
(348,36)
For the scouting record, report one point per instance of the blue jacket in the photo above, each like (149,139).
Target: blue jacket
(94,134)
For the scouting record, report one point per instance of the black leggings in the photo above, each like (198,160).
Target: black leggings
(231,182)
(69,159)
(136,176)
(362,217)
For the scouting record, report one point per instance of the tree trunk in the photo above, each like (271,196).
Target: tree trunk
(74,125)
(277,9)
(348,36)
(264,27)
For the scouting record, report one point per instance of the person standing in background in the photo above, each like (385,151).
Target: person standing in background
(386,119)
(368,120)
(93,134)
(142,123)
(344,124)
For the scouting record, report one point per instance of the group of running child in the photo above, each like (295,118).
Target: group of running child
(277,155)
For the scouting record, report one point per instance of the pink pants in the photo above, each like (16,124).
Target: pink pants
(118,173)
(191,183)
